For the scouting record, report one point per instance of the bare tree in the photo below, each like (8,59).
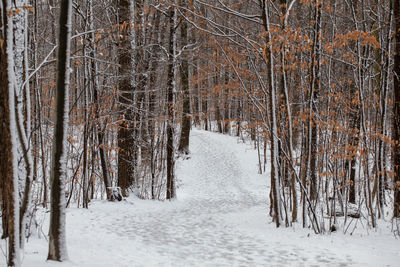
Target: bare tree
(8,143)
(396,108)
(275,179)
(172,20)
(57,237)
(126,86)
(184,72)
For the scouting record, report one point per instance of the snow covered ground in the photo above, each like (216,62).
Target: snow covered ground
(219,219)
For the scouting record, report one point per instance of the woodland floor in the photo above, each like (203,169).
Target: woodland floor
(220,218)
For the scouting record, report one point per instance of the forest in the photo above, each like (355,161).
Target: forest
(99,100)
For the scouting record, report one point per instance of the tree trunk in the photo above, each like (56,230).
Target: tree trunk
(100,128)
(125,87)
(273,117)
(57,236)
(354,140)
(171,106)
(314,91)
(8,139)
(186,116)
(227,121)
(396,110)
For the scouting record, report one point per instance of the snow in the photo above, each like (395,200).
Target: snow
(220,218)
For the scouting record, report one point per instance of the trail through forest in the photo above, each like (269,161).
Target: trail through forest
(219,219)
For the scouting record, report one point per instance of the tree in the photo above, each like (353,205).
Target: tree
(184,71)
(126,82)
(57,235)
(171,89)
(396,109)
(8,142)
(275,180)
(310,80)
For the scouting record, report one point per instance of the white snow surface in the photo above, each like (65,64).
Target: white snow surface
(220,218)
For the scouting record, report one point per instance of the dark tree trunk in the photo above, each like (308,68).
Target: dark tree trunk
(354,118)
(396,110)
(314,92)
(170,100)
(57,242)
(125,87)
(218,101)
(186,116)
(104,163)
(227,121)
(351,163)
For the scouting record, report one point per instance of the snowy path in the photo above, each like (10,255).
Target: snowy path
(219,219)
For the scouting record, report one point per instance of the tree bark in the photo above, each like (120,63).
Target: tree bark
(8,150)
(396,110)
(57,235)
(171,107)
(273,116)
(186,116)
(314,91)
(125,87)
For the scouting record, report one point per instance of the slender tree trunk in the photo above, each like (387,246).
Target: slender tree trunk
(273,117)
(204,107)
(396,110)
(288,114)
(314,91)
(355,125)
(227,121)
(57,235)
(186,116)
(22,95)
(218,100)
(8,138)
(85,178)
(151,118)
(354,140)
(384,106)
(171,107)
(100,126)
